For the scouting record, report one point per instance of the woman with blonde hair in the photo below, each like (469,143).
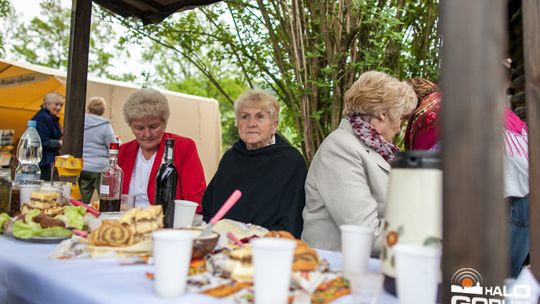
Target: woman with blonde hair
(98,135)
(264,166)
(347,182)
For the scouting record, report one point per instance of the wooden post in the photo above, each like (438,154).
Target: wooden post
(475,222)
(531,53)
(79,40)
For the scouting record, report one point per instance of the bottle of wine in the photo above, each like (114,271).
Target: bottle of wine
(166,180)
(110,190)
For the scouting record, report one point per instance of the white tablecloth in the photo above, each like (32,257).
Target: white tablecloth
(27,275)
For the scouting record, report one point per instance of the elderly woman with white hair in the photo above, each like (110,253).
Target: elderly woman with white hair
(264,166)
(49,130)
(146,112)
(347,182)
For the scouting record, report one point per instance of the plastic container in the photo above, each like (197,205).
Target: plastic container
(29,152)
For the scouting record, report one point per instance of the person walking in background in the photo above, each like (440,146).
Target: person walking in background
(50,132)
(423,134)
(347,181)
(268,170)
(98,134)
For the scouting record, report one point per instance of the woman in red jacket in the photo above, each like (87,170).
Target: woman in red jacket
(147,112)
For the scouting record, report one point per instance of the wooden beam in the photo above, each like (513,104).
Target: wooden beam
(531,53)
(475,228)
(81,13)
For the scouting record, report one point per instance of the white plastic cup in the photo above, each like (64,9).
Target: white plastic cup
(356,243)
(26,190)
(127,202)
(417,273)
(366,287)
(272,262)
(172,253)
(184,213)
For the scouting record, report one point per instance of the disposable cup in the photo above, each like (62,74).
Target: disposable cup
(26,190)
(356,243)
(417,273)
(127,202)
(272,262)
(184,212)
(366,287)
(172,253)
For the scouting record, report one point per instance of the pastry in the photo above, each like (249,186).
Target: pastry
(143,221)
(281,234)
(112,234)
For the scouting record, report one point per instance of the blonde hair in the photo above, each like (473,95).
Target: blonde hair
(375,93)
(52,97)
(259,99)
(423,87)
(96,105)
(146,102)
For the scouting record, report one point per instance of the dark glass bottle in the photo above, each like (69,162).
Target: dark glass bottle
(166,180)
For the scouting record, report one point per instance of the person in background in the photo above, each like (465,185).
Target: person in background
(347,181)
(422,131)
(50,132)
(422,134)
(98,134)
(146,112)
(268,170)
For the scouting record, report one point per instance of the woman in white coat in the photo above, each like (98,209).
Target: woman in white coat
(347,182)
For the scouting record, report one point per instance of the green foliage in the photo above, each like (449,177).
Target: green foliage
(6,10)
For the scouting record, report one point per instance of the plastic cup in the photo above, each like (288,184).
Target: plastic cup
(272,262)
(172,253)
(25,190)
(356,243)
(417,273)
(184,212)
(127,202)
(366,287)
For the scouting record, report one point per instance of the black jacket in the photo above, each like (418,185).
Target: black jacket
(272,183)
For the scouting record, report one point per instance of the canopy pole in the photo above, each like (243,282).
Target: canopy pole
(531,54)
(81,13)
(475,225)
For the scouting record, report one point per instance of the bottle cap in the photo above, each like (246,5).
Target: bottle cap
(32,123)
(113,146)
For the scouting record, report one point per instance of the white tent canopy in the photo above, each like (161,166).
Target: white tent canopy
(23,85)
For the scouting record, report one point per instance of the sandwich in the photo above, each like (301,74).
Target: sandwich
(46,202)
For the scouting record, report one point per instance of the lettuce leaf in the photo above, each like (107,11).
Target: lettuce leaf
(73,217)
(31,229)
(3,219)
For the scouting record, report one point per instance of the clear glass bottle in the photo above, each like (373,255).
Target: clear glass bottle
(110,189)
(166,180)
(29,152)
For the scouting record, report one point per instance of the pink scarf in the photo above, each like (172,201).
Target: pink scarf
(371,138)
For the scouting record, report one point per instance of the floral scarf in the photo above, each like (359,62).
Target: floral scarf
(371,138)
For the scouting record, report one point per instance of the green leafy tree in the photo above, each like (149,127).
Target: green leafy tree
(307,52)
(6,10)
(45,40)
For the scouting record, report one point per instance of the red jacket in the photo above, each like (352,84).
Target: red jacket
(191,184)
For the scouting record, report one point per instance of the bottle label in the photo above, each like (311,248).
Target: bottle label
(104,189)
(23,178)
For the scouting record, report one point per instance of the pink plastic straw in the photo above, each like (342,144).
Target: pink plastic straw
(235,196)
(91,210)
(233,238)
